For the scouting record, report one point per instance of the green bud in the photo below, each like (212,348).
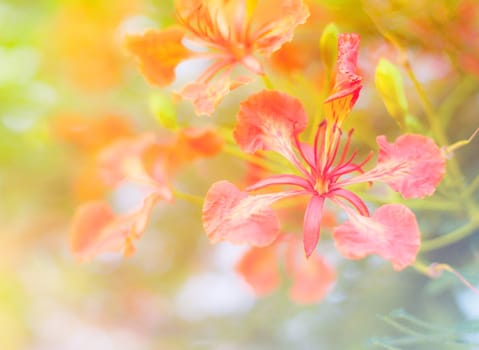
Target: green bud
(328,47)
(164,110)
(389,83)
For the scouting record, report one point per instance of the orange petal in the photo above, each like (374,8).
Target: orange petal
(197,143)
(259,267)
(269,120)
(206,96)
(312,278)
(347,83)
(96,229)
(90,133)
(274,27)
(158,53)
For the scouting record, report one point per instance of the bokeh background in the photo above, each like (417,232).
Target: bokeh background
(63,68)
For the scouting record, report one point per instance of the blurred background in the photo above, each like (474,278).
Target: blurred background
(68,88)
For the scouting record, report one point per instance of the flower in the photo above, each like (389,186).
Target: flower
(311,278)
(147,162)
(271,120)
(234,32)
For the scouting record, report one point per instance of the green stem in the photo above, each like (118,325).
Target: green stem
(473,187)
(253,159)
(420,204)
(191,198)
(452,237)
(268,84)
(462,91)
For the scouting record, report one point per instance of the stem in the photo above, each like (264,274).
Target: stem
(253,159)
(191,198)
(452,237)
(268,84)
(473,187)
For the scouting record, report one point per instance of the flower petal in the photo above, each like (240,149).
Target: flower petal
(413,165)
(96,229)
(232,215)
(347,83)
(259,267)
(270,120)
(206,96)
(312,223)
(272,28)
(312,279)
(158,52)
(423,169)
(392,232)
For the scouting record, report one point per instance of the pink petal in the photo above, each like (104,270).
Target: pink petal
(206,96)
(312,277)
(413,165)
(270,120)
(232,215)
(420,158)
(259,267)
(392,232)
(96,229)
(312,224)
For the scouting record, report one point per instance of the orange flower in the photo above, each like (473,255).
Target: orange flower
(89,135)
(311,278)
(234,32)
(145,161)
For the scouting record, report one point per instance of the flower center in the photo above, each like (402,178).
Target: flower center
(322,186)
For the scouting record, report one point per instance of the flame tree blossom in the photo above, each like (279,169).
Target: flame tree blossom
(148,162)
(235,33)
(269,120)
(311,278)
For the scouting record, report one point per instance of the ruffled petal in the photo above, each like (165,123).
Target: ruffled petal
(312,224)
(96,229)
(274,27)
(413,166)
(347,83)
(206,96)
(234,216)
(392,233)
(158,52)
(270,120)
(259,268)
(421,160)
(133,160)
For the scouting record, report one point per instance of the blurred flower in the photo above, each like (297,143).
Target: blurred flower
(312,278)
(270,120)
(89,136)
(234,32)
(148,162)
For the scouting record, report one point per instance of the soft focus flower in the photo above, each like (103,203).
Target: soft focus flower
(311,278)
(234,32)
(148,162)
(271,120)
